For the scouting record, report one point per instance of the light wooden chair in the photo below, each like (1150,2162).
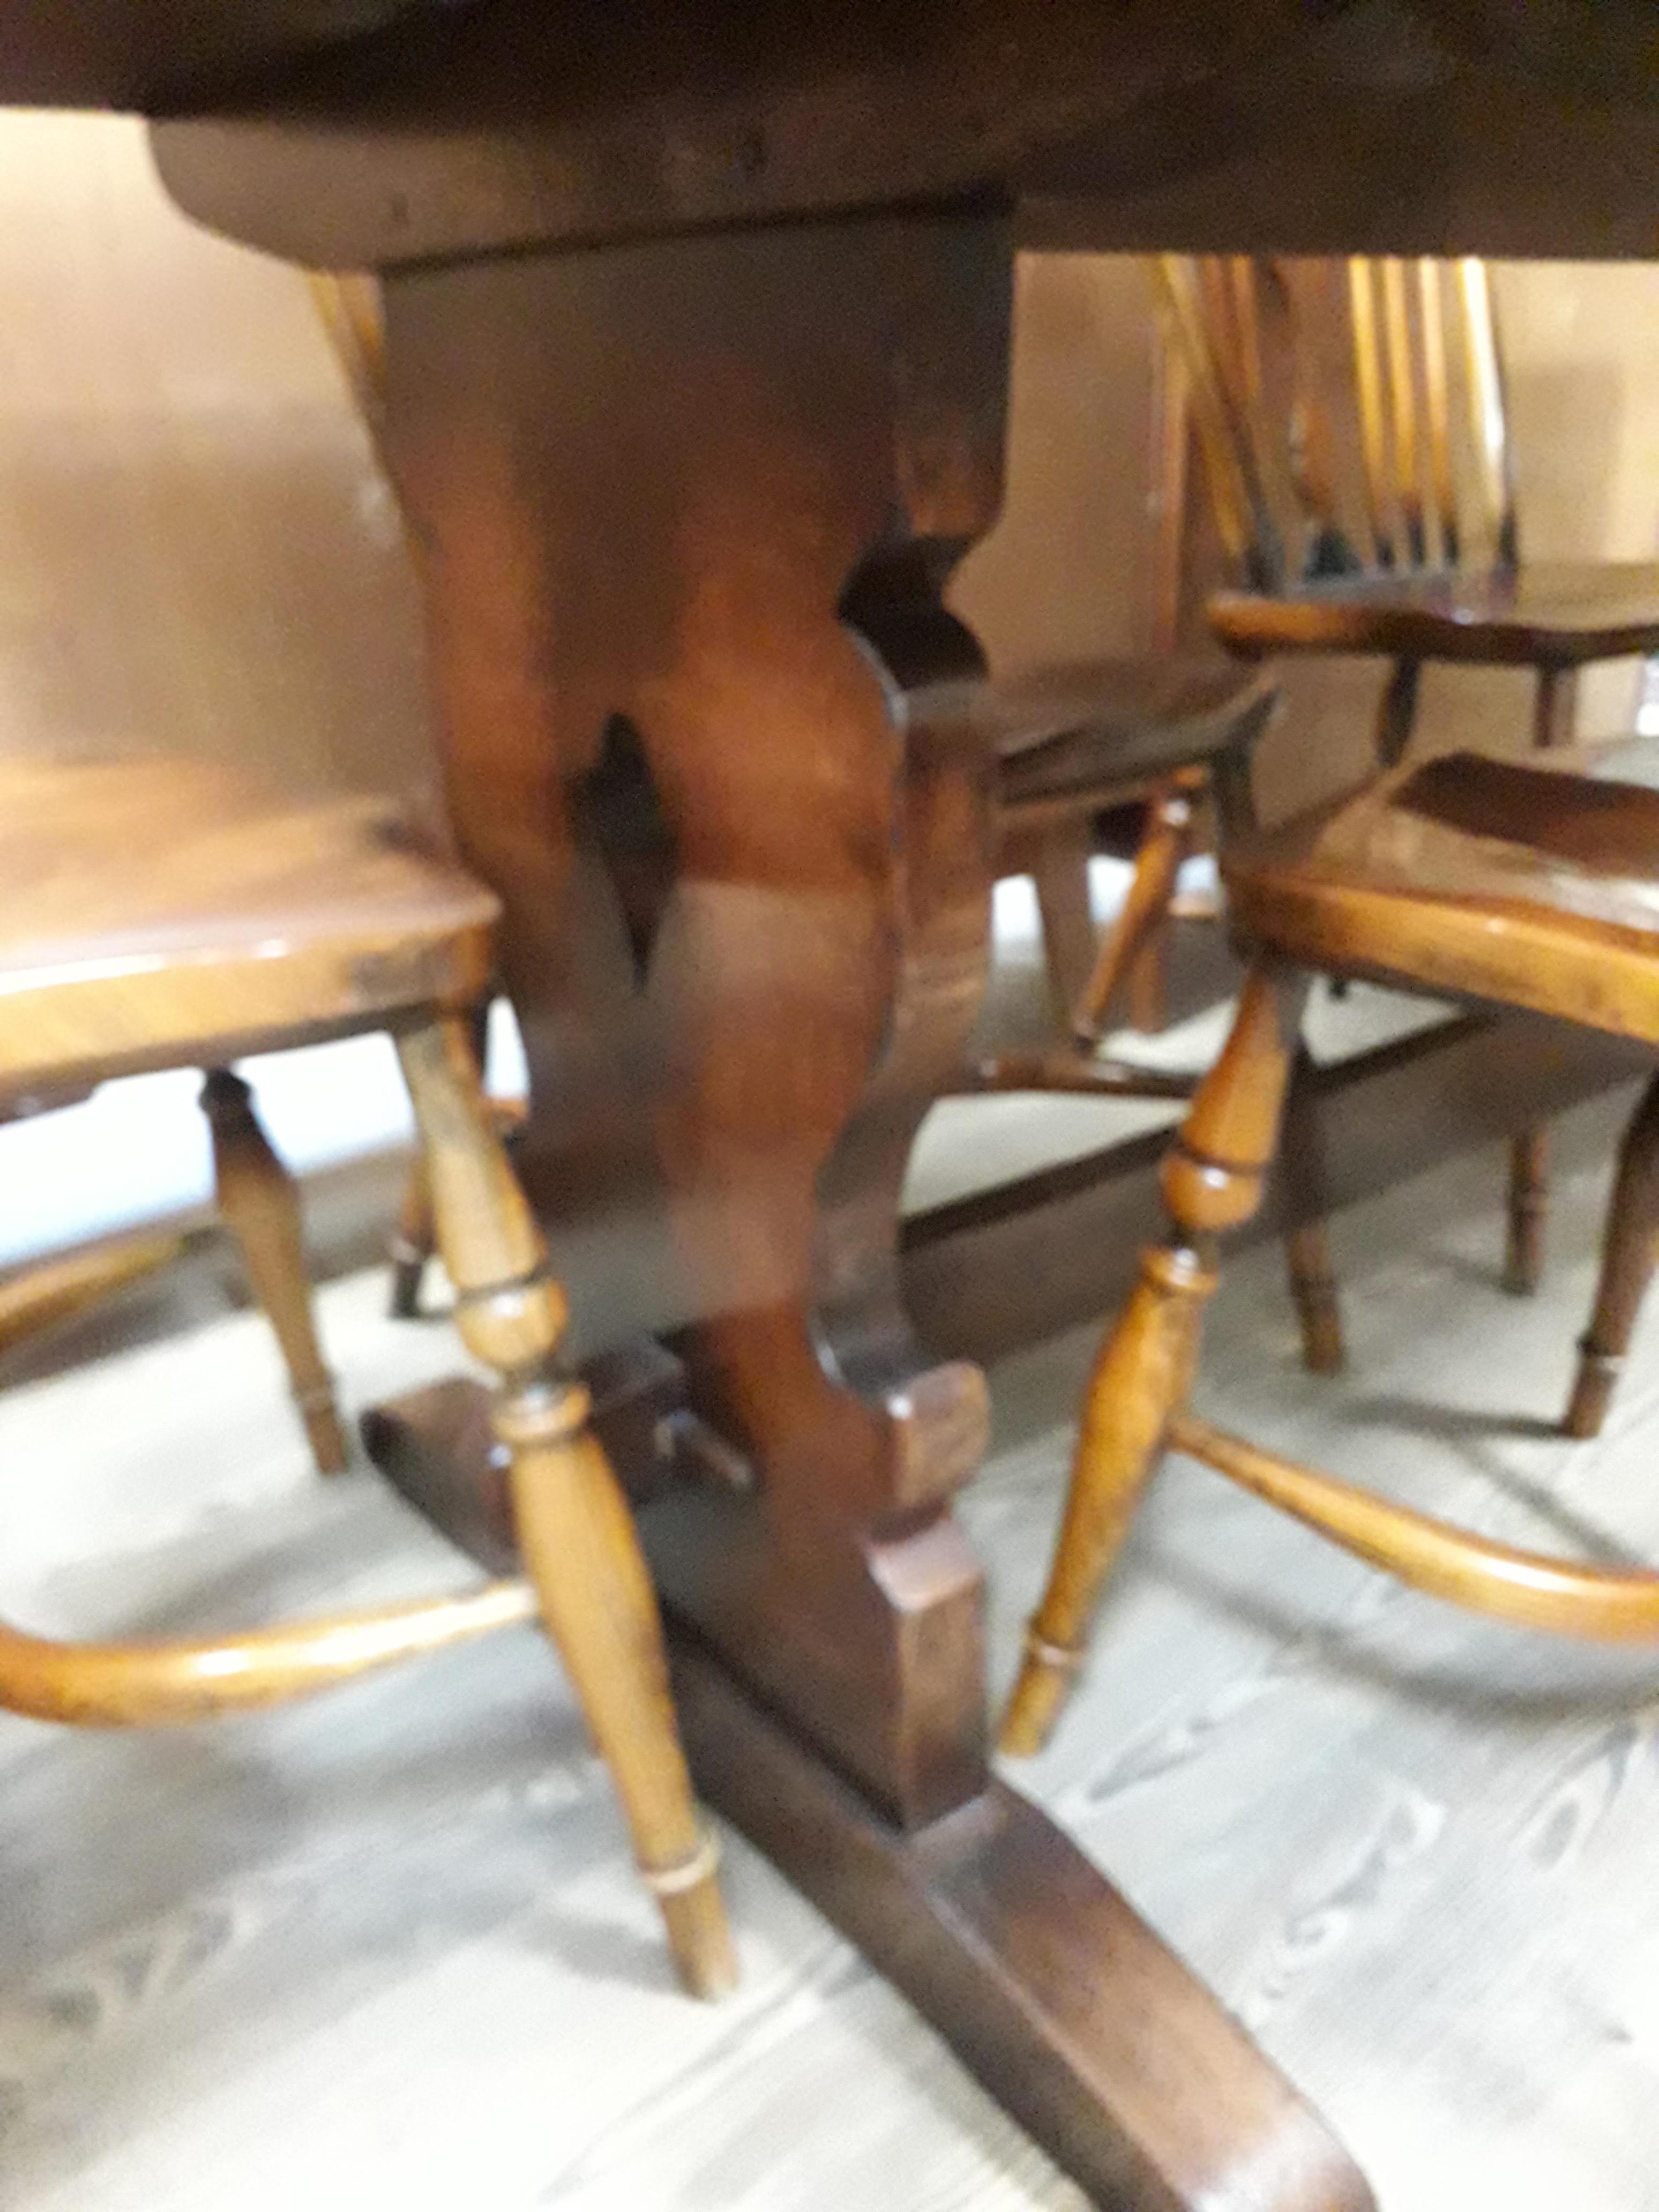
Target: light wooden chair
(1496,882)
(165,913)
(1355,426)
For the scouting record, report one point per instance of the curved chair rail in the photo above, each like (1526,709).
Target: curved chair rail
(162,1685)
(1608,1604)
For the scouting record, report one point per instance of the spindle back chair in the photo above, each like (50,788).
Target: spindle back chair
(1354,421)
(1493,881)
(1353,416)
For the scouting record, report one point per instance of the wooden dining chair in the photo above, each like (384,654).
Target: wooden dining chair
(1355,425)
(166,913)
(1522,883)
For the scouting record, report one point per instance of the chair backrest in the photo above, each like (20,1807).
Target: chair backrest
(1351,414)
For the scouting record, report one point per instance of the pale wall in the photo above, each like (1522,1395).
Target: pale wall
(197,551)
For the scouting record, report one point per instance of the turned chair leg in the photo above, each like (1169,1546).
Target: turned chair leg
(1147,994)
(1629,1251)
(1140,928)
(412,1241)
(1307,1245)
(1529,1191)
(415,1239)
(259,1205)
(1312,1277)
(1555,707)
(1060,873)
(574,1525)
(1211,1181)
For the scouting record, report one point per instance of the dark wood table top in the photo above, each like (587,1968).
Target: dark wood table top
(351,131)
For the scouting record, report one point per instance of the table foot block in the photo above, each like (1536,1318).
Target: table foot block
(1054,1992)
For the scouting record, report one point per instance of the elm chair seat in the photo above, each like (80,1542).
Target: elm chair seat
(154,913)
(1526,884)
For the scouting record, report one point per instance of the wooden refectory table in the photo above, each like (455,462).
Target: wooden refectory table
(697,352)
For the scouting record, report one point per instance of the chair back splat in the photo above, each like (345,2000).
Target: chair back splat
(1352,415)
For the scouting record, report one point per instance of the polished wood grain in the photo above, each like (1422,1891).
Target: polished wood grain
(1066,731)
(573,1521)
(1002,1269)
(1164,846)
(1395,572)
(1380,1827)
(747,868)
(1485,879)
(414,1238)
(1075,746)
(737,787)
(983,1918)
(162,912)
(1135,1408)
(795,483)
(1141,1375)
(1059,790)
(1133,128)
(1373,388)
